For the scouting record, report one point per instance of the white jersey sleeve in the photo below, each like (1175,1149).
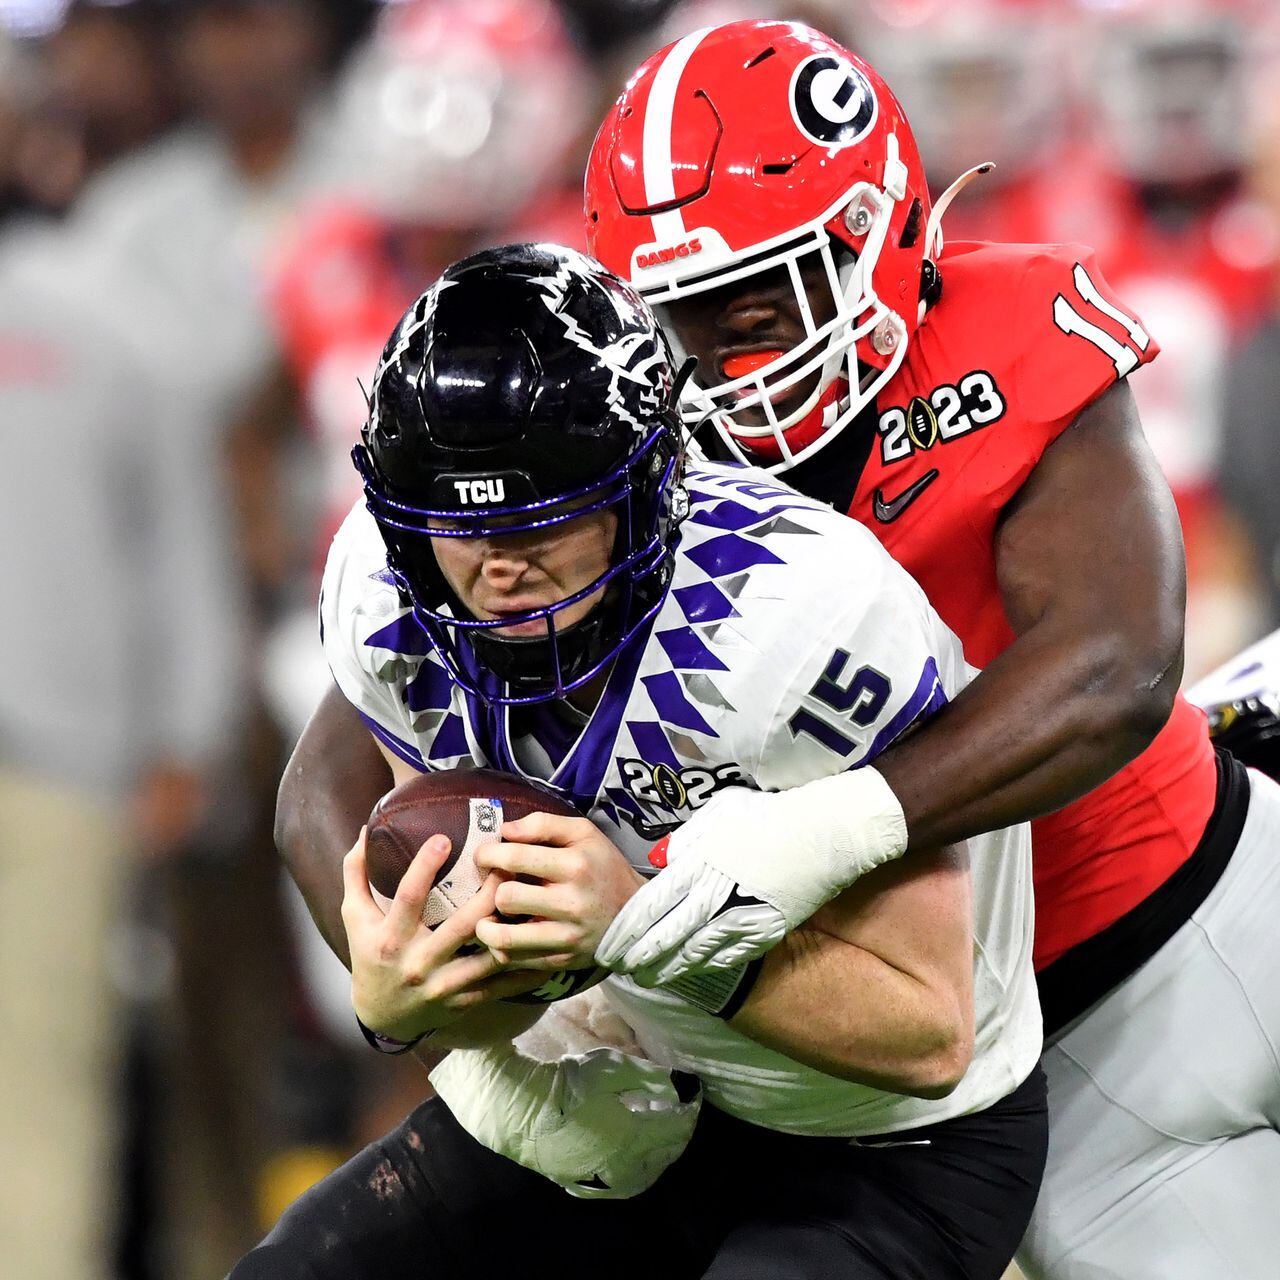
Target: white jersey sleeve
(359,602)
(827,668)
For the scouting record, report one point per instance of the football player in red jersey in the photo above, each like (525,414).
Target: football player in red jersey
(969,404)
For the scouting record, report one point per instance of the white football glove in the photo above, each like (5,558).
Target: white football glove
(747,868)
(602,1125)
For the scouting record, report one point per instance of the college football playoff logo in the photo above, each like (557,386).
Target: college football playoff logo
(832,101)
(666,796)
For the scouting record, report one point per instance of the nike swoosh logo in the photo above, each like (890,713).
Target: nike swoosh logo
(886,512)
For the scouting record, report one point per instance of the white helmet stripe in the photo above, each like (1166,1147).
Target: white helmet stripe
(659,182)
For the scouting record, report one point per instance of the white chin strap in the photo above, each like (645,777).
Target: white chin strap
(933,230)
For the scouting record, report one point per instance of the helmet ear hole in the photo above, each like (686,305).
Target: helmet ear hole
(911,227)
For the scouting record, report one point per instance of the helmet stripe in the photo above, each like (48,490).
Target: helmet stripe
(659,181)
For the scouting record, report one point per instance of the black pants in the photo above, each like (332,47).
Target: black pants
(947,1202)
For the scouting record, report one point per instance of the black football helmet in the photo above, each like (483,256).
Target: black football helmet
(527,387)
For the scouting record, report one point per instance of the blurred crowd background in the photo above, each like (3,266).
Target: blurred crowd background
(212,212)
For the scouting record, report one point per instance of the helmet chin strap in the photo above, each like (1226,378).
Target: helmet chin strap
(933,230)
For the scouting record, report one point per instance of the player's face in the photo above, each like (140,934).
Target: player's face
(734,329)
(517,572)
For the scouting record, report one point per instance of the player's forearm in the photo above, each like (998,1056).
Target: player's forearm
(332,781)
(844,1011)
(1047,722)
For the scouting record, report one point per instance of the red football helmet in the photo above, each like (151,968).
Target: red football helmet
(748,147)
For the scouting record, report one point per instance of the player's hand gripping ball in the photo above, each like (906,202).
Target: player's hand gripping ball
(468,806)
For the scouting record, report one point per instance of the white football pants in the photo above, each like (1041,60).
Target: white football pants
(1164,1099)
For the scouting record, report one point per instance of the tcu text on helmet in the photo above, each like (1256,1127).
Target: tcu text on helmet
(481,493)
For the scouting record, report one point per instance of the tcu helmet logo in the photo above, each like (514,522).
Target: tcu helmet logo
(481,493)
(832,101)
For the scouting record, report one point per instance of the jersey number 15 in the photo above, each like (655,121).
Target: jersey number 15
(861,699)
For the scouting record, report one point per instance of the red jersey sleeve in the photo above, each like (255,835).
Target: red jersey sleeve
(1069,339)
(1078,339)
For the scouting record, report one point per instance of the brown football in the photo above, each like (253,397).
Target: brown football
(469,806)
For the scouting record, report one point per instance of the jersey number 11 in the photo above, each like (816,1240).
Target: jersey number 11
(1069,320)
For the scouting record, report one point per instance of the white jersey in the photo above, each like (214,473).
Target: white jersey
(1255,673)
(789,647)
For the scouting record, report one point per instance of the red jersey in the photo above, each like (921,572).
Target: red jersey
(1024,338)
(1208,275)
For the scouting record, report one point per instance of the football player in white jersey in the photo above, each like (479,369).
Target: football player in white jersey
(537,584)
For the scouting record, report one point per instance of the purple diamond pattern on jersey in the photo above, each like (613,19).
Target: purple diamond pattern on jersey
(729,553)
(704,602)
(450,740)
(431,689)
(730,515)
(652,743)
(403,635)
(671,704)
(723,544)
(687,652)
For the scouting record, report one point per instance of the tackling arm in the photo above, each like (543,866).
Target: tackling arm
(1092,576)
(1093,580)
(330,785)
